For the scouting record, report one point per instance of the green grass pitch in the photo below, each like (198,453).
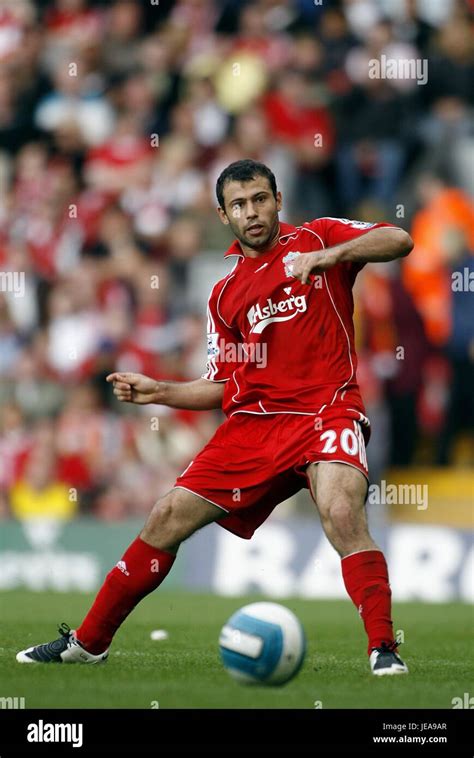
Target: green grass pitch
(185,670)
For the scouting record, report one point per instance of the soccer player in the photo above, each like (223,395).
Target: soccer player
(282,366)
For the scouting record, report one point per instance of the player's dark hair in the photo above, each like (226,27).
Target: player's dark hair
(244,171)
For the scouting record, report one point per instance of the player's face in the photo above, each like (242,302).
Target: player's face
(251,211)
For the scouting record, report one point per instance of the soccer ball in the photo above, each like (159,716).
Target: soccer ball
(262,643)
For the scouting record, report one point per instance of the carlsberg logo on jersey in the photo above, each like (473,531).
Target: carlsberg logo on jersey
(260,316)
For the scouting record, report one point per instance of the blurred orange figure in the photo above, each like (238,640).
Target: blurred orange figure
(446,215)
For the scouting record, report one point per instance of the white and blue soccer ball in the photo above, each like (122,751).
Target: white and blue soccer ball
(263,643)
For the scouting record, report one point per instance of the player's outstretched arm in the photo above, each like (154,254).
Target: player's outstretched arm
(199,395)
(376,246)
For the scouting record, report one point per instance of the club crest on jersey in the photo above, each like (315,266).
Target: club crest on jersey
(287,261)
(260,316)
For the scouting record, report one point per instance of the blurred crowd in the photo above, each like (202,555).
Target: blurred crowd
(116,119)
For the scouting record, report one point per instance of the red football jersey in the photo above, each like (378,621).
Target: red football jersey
(282,346)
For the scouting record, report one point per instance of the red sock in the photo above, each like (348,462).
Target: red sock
(365,575)
(139,572)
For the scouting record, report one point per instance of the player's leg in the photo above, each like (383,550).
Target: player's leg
(145,564)
(339,491)
(175,517)
(142,568)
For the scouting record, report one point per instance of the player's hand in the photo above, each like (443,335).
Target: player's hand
(134,388)
(312,263)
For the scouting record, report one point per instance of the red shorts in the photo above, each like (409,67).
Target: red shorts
(254,462)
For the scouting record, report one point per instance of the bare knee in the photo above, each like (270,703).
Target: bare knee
(339,493)
(345,525)
(342,516)
(175,517)
(339,504)
(164,529)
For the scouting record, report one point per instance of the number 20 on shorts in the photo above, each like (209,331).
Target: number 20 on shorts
(351,441)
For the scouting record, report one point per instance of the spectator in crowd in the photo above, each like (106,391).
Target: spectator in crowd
(39,493)
(460,345)
(428,275)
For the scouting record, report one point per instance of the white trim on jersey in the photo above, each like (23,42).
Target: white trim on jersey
(300,229)
(306,228)
(216,381)
(231,276)
(290,235)
(180,487)
(363,419)
(276,413)
(238,388)
(230,255)
(350,221)
(187,467)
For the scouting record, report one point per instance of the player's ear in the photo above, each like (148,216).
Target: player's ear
(222,215)
(279,201)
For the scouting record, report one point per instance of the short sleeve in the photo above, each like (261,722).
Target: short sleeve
(222,344)
(338,230)
(335,231)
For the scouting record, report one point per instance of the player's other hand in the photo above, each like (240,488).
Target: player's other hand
(133,388)
(313,263)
